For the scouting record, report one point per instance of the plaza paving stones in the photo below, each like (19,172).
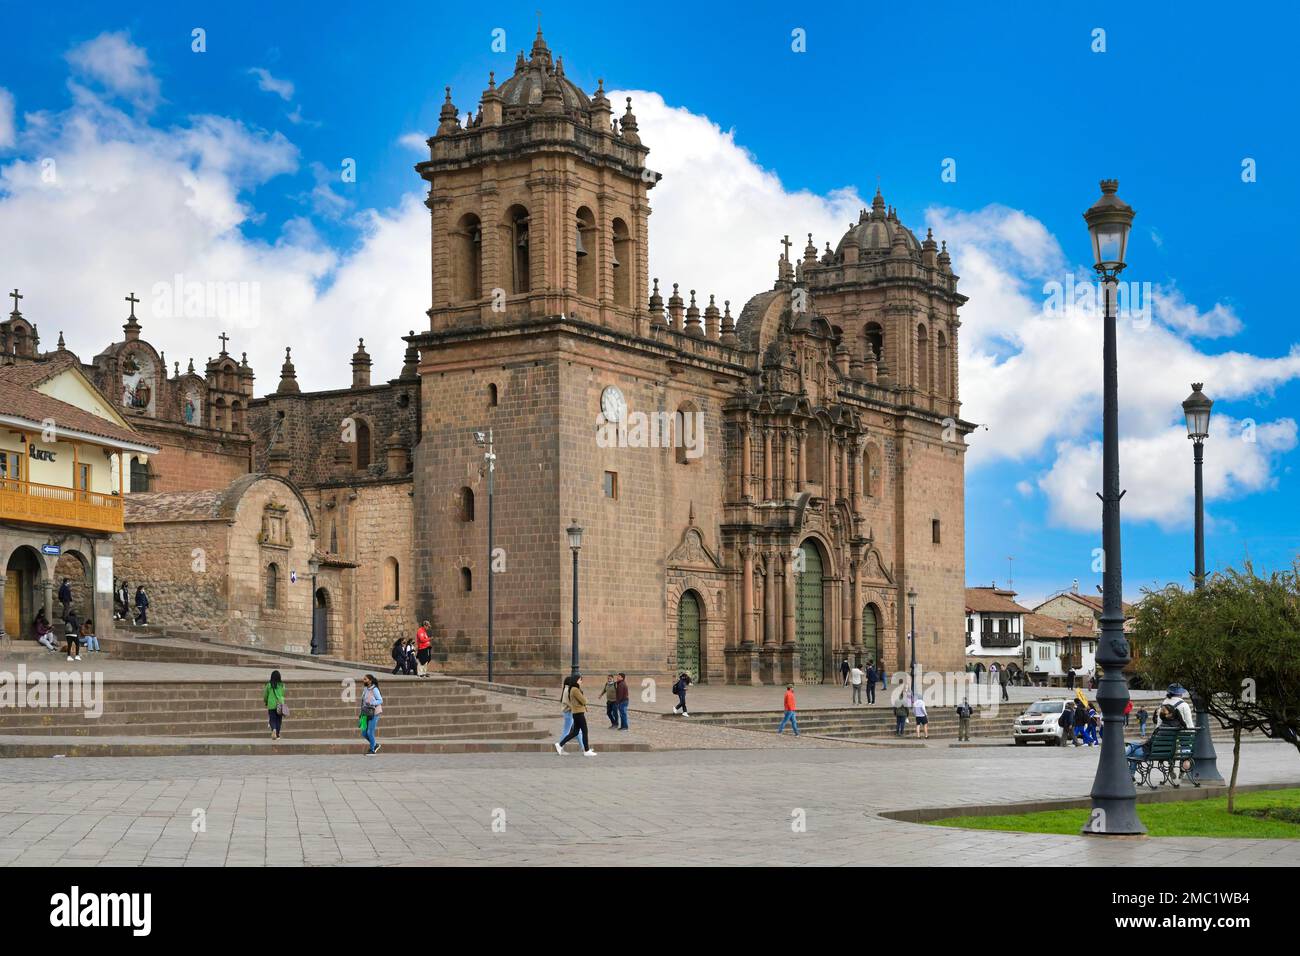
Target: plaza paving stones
(705,806)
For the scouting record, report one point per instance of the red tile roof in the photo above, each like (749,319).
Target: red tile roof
(992,601)
(19,398)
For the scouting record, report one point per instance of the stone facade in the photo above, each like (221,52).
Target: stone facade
(225,562)
(822,424)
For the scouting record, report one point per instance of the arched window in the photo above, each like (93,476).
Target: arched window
(624,267)
(139,475)
(517,253)
(585,245)
(363,451)
(219,418)
(467,259)
(236,416)
(875,337)
(922,359)
(941,370)
(466,580)
(272,586)
(466,504)
(392,581)
(492,394)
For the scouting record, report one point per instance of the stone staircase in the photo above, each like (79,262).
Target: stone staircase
(865,723)
(317,709)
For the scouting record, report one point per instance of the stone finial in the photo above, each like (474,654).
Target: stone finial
(395,453)
(711,317)
(878,205)
(693,326)
(675,309)
(361,366)
(449,116)
(411,360)
(630,126)
(288,376)
(190,369)
(728,324)
(61,346)
(657,307)
(810,251)
(944,260)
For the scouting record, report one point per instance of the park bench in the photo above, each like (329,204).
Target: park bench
(1169,755)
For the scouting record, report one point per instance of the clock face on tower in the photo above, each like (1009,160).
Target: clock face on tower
(612,404)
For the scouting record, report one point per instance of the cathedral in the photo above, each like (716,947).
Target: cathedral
(762,491)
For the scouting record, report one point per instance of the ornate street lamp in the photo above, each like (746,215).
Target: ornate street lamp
(575,545)
(911,603)
(1196,410)
(313,567)
(1114,799)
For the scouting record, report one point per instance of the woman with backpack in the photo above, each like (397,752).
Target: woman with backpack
(679,688)
(372,706)
(578,707)
(564,706)
(273,695)
(398,654)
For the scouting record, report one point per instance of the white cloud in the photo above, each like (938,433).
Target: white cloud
(119,66)
(269,84)
(1158,475)
(718,215)
(1033,375)
(8,132)
(416,141)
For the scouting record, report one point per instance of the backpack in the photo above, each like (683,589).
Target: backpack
(396,653)
(677,687)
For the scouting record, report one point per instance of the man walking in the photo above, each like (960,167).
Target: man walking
(922,717)
(789,715)
(963,719)
(141,606)
(855,679)
(610,694)
(1002,679)
(900,717)
(871,683)
(65,597)
(622,701)
(1067,724)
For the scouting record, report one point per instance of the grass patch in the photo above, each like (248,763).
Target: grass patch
(1266,814)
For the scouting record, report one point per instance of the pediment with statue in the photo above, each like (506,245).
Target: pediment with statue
(692,552)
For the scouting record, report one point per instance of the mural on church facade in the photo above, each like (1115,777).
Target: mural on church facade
(138,382)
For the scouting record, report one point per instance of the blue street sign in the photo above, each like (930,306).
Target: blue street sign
(51,549)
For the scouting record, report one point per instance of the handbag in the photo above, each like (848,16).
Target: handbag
(361,723)
(282,710)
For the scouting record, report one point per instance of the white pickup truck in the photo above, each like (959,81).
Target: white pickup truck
(1042,721)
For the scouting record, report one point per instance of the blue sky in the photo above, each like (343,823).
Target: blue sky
(1030,114)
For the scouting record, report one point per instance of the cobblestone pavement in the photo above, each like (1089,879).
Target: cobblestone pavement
(685,807)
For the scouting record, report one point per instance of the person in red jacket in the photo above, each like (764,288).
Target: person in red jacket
(789,716)
(423,650)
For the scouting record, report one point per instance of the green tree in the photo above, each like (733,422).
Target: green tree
(1236,644)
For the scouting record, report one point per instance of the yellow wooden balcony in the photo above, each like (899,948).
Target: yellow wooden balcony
(35,503)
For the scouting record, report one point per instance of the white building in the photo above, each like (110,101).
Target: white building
(994,630)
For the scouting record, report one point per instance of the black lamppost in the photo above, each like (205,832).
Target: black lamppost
(490,461)
(313,566)
(1067,663)
(911,603)
(1196,410)
(575,545)
(1114,799)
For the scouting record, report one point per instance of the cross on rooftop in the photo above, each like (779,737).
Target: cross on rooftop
(15,296)
(224,339)
(787,243)
(133,300)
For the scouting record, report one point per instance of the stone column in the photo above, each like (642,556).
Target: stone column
(788,635)
(3,581)
(846,490)
(769,595)
(804,459)
(850,623)
(855,477)
(767,463)
(744,463)
(48,585)
(747,596)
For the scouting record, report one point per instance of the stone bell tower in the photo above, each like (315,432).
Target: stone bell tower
(538,205)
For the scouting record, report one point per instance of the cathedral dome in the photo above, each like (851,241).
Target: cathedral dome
(875,232)
(531,77)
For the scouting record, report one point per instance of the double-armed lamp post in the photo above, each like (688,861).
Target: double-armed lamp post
(1114,798)
(1196,410)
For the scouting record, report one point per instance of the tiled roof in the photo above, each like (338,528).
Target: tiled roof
(1091,601)
(174,505)
(19,397)
(991,601)
(1040,625)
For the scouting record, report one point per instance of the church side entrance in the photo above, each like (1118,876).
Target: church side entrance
(809,630)
(688,635)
